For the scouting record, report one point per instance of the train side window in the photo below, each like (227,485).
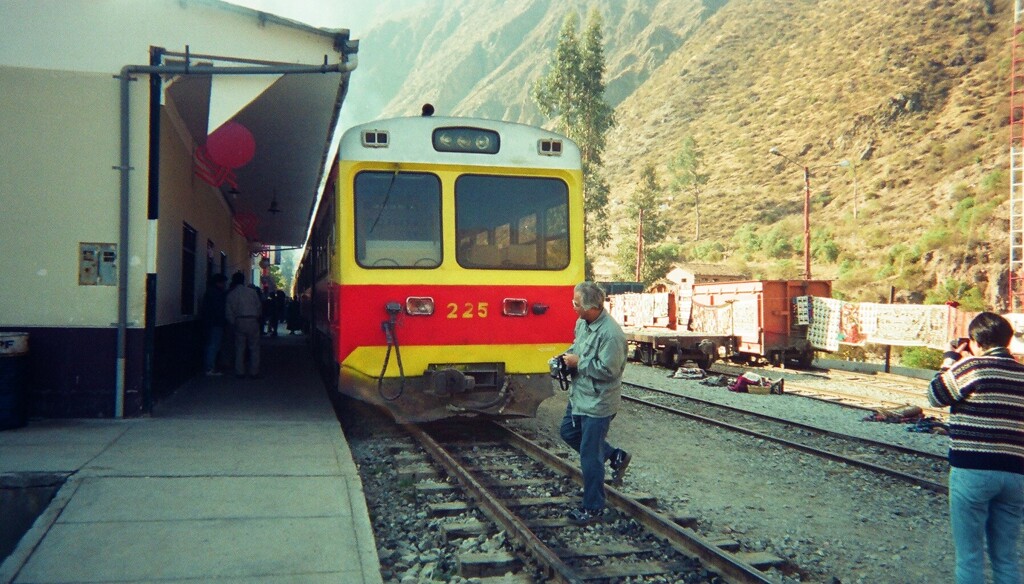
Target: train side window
(397,219)
(512,222)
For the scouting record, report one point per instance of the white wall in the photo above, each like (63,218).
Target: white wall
(58,187)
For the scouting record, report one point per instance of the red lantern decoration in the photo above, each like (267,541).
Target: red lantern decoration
(231,145)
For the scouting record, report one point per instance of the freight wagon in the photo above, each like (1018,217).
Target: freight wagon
(746,322)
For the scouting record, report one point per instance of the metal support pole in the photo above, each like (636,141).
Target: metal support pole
(888,348)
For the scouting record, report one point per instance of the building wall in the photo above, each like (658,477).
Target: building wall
(187,199)
(58,188)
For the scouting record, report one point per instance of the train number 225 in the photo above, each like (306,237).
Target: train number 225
(469,310)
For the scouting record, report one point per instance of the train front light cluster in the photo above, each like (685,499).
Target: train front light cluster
(514,307)
(376,139)
(469,140)
(419,306)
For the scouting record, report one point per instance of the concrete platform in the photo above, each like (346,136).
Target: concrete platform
(230,481)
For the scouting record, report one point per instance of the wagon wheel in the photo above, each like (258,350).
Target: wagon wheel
(426,263)
(667,356)
(805,359)
(647,356)
(704,362)
(677,358)
(385,262)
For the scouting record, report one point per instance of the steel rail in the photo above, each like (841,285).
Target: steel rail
(865,403)
(920,481)
(684,540)
(497,512)
(801,425)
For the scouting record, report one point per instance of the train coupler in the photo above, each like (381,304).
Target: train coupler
(446,382)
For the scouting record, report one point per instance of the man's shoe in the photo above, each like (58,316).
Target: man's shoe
(583,516)
(620,461)
(212,373)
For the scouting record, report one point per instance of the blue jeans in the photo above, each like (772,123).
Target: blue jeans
(587,436)
(214,336)
(986,506)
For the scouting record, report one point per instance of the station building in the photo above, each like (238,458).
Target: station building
(147,146)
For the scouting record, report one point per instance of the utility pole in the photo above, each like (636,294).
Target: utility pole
(640,246)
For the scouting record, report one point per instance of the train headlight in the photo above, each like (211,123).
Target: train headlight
(466,139)
(419,306)
(514,307)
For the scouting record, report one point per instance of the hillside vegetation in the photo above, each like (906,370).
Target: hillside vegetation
(913,95)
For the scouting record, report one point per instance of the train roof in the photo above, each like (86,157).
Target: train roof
(411,139)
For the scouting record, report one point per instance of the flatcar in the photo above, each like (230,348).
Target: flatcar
(439,272)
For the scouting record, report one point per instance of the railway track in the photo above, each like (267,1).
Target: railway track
(854,390)
(926,470)
(526,490)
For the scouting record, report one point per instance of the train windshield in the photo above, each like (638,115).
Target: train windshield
(512,223)
(398,219)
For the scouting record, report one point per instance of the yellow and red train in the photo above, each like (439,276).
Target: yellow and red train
(438,275)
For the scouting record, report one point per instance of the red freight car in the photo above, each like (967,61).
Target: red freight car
(762,314)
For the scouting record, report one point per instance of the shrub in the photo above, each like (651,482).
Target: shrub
(994,181)
(959,291)
(920,358)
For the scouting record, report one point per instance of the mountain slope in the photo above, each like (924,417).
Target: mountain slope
(913,95)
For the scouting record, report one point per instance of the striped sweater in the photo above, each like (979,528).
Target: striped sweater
(986,421)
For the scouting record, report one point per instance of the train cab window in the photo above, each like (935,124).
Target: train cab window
(397,220)
(512,223)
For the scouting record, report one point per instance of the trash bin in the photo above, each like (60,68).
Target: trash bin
(13,380)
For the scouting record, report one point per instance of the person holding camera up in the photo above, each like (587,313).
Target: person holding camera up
(598,356)
(984,387)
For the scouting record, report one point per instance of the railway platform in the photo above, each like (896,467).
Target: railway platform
(230,480)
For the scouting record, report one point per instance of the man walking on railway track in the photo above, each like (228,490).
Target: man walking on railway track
(984,387)
(598,357)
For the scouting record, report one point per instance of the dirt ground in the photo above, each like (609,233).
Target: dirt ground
(838,524)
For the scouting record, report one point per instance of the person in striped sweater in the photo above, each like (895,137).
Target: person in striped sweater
(984,387)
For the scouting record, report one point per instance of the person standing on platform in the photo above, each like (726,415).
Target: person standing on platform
(214,321)
(598,358)
(243,310)
(984,388)
(294,316)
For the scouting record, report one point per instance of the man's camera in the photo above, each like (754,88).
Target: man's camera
(561,371)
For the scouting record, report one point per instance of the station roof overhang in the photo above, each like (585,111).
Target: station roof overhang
(292,119)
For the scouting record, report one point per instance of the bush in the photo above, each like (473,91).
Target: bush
(994,182)
(921,358)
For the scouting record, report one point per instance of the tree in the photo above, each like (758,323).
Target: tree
(572,93)
(648,234)
(688,175)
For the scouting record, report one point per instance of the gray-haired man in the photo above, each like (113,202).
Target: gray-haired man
(598,353)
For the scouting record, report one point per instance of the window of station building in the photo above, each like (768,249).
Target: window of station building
(188,269)
(397,219)
(517,223)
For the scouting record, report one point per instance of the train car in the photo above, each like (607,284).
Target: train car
(744,321)
(761,313)
(439,274)
(656,337)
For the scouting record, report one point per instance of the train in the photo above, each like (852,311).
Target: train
(437,280)
(752,322)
